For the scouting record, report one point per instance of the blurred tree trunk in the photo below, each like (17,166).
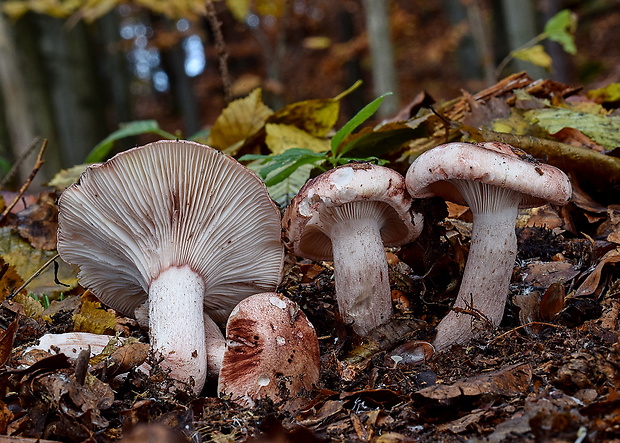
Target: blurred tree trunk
(17,118)
(521,24)
(475,52)
(382,54)
(77,96)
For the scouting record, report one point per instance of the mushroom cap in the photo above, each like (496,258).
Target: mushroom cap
(171,203)
(304,230)
(271,348)
(491,163)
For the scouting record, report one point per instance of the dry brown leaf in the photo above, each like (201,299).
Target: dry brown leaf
(511,380)
(7,338)
(590,284)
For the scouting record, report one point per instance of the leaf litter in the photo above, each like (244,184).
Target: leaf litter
(550,372)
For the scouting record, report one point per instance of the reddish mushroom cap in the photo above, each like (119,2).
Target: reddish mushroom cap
(491,163)
(381,187)
(272,351)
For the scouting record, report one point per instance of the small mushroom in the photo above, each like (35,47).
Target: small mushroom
(272,351)
(347,215)
(494,180)
(173,228)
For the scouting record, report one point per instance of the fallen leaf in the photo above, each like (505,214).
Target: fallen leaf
(603,129)
(511,380)
(280,137)
(27,260)
(590,284)
(316,117)
(91,317)
(7,338)
(241,119)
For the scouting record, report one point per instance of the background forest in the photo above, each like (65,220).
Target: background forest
(72,71)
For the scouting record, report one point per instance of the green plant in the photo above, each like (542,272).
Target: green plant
(560,28)
(276,168)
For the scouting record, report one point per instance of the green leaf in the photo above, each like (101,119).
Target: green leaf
(603,129)
(283,192)
(561,28)
(359,118)
(101,152)
(287,160)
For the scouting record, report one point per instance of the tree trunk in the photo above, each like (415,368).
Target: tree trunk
(382,53)
(18,118)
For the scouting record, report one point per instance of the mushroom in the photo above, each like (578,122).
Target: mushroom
(348,214)
(494,180)
(182,227)
(272,351)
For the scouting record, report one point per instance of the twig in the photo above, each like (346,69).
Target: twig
(540,323)
(19,161)
(24,187)
(220,46)
(33,276)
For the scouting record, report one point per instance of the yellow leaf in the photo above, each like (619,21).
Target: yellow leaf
(92,318)
(274,8)
(282,137)
(609,93)
(241,119)
(32,307)
(27,260)
(317,116)
(15,9)
(536,55)
(239,9)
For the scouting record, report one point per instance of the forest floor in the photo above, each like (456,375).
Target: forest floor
(550,372)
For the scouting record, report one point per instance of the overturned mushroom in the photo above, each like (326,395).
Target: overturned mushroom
(494,180)
(272,351)
(348,214)
(182,227)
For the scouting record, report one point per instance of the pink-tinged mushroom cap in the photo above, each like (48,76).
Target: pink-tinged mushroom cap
(272,351)
(178,225)
(495,164)
(348,215)
(494,180)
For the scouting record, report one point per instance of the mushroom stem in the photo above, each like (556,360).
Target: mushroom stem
(215,347)
(487,274)
(360,273)
(176,324)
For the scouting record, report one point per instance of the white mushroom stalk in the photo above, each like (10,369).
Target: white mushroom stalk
(348,215)
(494,180)
(490,262)
(361,273)
(182,229)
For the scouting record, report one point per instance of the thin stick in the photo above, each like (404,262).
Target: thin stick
(220,46)
(499,337)
(19,161)
(24,187)
(32,277)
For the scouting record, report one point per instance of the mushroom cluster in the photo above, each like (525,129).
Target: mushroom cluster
(188,238)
